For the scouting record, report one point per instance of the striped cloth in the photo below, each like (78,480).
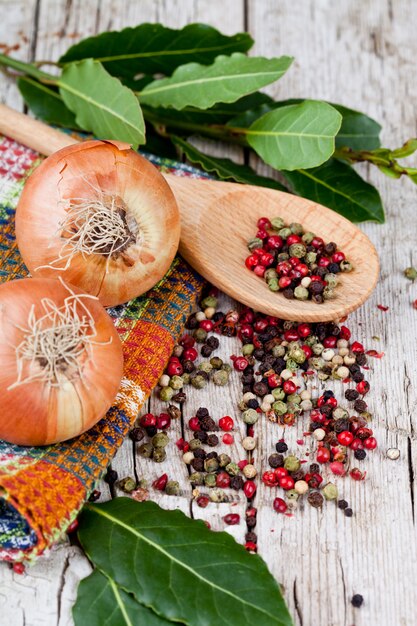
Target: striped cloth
(42,489)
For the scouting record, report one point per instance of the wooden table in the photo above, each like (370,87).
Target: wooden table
(361,54)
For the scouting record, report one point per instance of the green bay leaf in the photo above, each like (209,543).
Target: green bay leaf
(225,169)
(154,48)
(296,136)
(102,105)
(226,80)
(178,567)
(100,602)
(45,102)
(339,187)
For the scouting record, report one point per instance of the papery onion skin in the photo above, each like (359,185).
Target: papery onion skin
(120,171)
(36,413)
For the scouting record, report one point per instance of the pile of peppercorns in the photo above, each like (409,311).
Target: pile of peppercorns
(297,263)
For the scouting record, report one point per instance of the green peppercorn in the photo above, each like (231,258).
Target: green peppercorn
(311,258)
(199,382)
(294,398)
(172,488)
(210,480)
(224,459)
(200,335)
(328,293)
(277,223)
(273,284)
(248,349)
(291,463)
(330,491)
(282,256)
(242,406)
(232,469)
(220,377)
(211,301)
(159,455)
(250,416)
(166,394)
(301,293)
(205,366)
(143,483)
(410,273)
(278,351)
(270,273)
(298,250)
(296,228)
(197,478)
(160,440)
(193,444)
(278,393)
(186,378)
(345,266)
(317,348)
(145,450)
(216,362)
(311,340)
(292,494)
(279,407)
(331,280)
(176,382)
(298,355)
(308,238)
(127,484)
(226,367)
(211,465)
(291,365)
(285,232)
(217,495)
(255,243)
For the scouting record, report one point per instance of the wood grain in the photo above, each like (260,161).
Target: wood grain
(217,221)
(362,55)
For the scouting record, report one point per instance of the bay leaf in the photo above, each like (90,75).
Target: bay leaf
(226,80)
(102,105)
(339,187)
(154,48)
(180,568)
(296,136)
(45,102)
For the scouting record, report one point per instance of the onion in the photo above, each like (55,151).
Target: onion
(101,217)
(61,361)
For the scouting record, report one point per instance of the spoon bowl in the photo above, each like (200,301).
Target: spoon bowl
(217,220)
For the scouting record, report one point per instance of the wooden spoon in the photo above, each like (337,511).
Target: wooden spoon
(217,219)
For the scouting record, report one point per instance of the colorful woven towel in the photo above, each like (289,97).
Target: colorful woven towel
(43,489)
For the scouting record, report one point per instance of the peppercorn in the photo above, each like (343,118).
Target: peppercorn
(249,471)
(199,453)
(197,464)
(145,450)
(210,480)
(236,482)
(251,521)
(206,351)
(357,599)
(224,459)
(166,394)
(360,454)
(330,491)
(159,455)
(127,484)
(172,488)
(197,478)
(220,377)
(212,455)
(360,406)
(342,504)
(348,512)
(216,362)
(250,416)
(251,537)
(207,423)
(151,430)
(281,446)
(276,460)
(232,469)
(315,499)
(291,463)
(137,434)
(217,495)
(212,440)
(410,273)
(298,475)
(160,440)
(201,435)
(211,465)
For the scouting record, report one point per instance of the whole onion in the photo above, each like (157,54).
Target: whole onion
(61,361)
(101,217)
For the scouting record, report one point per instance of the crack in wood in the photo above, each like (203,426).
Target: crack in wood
(344,586)
(62,585)
(411,475)
(296,603)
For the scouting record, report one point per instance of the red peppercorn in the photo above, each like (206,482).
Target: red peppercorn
(317,242)
(357,347)
(249,489)
(226,423)
(264,223)
(280,505)
(240,363)
(280,472)
(323,261)
(356,444)
(338,257)
(245,331)
(356,474)
(304,330)
(274,381)
(174,368)
(337,468)
(194,423)
(274,242)
(345,333)
(331,402)
(223,480)
(317,416)
(364,433)
(149,419)
(203,501)
(284,282)
(190,354)
(284,268)
(363,387)
(180,443)
(187,341)
(243,463)
(370,443)
(308,351)
(251,261)
(287,483)
(163,421)
(228,439)
(289,387)
(314,278)
(259,270)
(266,259)
(330,342)
(313,480)
(303,269)
(291,239)
(207,325)
(251,431)
(345,438)
(73,526)
(161,482)
(323,455)
(231,519)
(250,546)
(291,335)
(262,234)
(260,325)
(19,568)
(251,511)
(269,479)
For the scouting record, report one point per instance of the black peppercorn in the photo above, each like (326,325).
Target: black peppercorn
(236,482)
(314,468)
(360,406)
(316,287)
(191,323)
(351,395)
(281,446)
(188,366)
(357,377)
(317,298)
(212,455)
(259,354)
(206,351)
(252,537)
(361,358)
(357,600)
(315,499)
(288,293)
(207,423)
(111,476)
(342,504)
(212,440)
(151,430)
(179,397)
(298,475)
(213,342)
(260,389)
(201,435)
(251,521)
(348,512)
(252,404)
(199,453)
(217,317)
(276,460)
(330,248)
(202,412)
(137,434)
(333,268)
(360,454)
(341,425)
(197,464)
